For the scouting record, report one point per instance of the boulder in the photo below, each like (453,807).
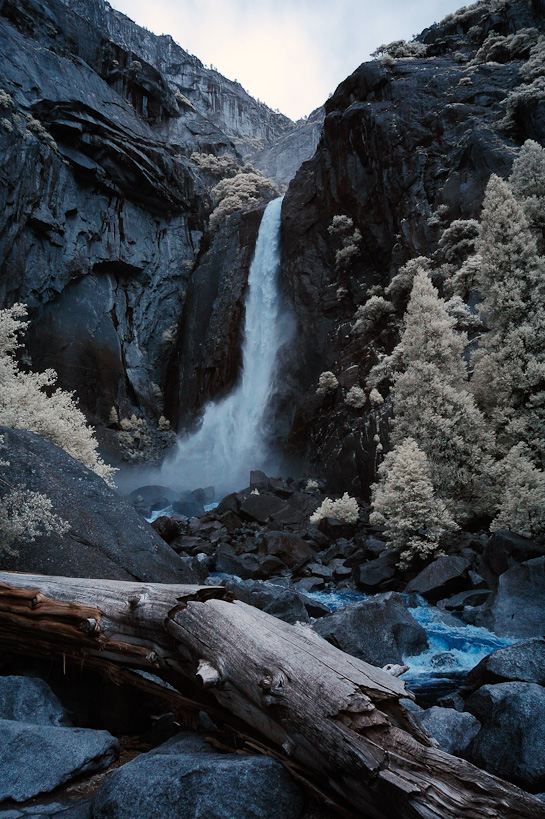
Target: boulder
(38,758)
(517,609)
(148,499)
(281,602)
(369,575)
(504,548)
(522,662)
(511,742)
(379,630)
(472,597)
(184,778)
(446,575)
(107,537)
(189,508)
(335,529)
(289,548)
(68,809)
(261,507)
(452,729)
(30,699)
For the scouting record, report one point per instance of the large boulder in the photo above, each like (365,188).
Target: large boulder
(511,742)
(452,729)
(283,603)
(522,662)
(107,537)
(505,548)
(39,758)
(446,575)
(185,777)
(517,609)
(379,630)
(30,699)
(289,548)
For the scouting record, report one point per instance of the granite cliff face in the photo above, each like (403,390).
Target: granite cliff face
(102,209)
(402,143)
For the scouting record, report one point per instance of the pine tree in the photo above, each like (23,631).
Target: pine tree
(522,506)
(509,366)
(432,404)
(404,501)
(527,183)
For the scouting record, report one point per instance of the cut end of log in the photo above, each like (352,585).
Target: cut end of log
(209,676)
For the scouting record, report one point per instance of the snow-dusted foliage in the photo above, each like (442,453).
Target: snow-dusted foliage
(28,400)
(404,501)
(509,366)
(225,165)
(240,192)
(342,231)
(370,314)
(345,509)
(401,285)
(327,383)
(355,398)
(527,183)
(25,515)
(433,404)
(522,505)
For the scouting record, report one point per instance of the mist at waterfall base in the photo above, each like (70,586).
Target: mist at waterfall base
(235,432)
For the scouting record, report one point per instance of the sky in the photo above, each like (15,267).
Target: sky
(291,54)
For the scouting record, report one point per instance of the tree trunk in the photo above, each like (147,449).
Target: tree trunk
(335,721)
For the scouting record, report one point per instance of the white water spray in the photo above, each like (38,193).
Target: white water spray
(232,439)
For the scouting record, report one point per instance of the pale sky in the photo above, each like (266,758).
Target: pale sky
(291,54)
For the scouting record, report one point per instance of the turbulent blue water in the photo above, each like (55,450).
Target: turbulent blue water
(454,647)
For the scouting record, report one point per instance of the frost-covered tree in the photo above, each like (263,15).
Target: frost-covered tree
(240,192)
(405,502)
(522,505)
(509,366)
(527,183)
(433,405)
(345,509)
(28,400)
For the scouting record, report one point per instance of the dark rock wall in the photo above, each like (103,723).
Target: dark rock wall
(398,142)
(102,210)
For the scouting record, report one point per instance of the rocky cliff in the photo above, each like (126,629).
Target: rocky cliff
(102,209)
(408,145)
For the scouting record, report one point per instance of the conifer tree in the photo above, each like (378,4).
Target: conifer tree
(509,366)
(432,403)
(404,501)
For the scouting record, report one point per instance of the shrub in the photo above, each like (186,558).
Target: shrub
(26,514)
(355,398)
(370,314)
(27,400)
(327,383)
(240,192)
(345,509)
(220,166)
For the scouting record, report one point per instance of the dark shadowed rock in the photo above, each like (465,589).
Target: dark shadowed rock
(335,529)
(511,742)
(38,758)
(30,699)
(505,548)
(452,729)
(445,575)
(473,597)
(107,537)
(291,549)
(283,603)
(522,662)
(372,574)
(517,609)
(188,508)
(185,778)
(379,630)
(68,809)
(261,507)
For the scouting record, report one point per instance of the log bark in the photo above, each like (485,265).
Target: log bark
(335,721)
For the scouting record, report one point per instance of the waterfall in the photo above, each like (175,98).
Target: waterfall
(232,438)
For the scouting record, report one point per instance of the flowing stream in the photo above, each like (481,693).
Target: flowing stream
(232,438)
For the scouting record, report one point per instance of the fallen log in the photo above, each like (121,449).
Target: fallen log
(336,721)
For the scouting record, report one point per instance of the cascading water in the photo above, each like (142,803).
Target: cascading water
(232,438)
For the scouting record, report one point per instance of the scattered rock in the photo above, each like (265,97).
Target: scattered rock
(369,575)
(261,507)
(522,662)
(446,575)
(517,609)
(292,550)
(379,630)
(511,742)
(186,779)
(473,597)
(38,758)
(30,699)
(453,730)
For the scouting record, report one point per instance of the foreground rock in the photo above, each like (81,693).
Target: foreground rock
(30,699)
(511,742)
(186,777)
(107,537)
(379,630)
(38,758)
(516,609)
(452,729)
(522,662)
